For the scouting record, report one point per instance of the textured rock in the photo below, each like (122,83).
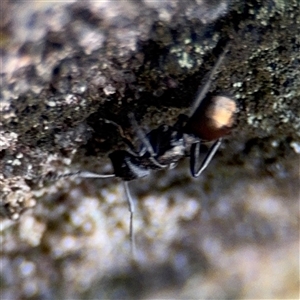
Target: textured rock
(67,66)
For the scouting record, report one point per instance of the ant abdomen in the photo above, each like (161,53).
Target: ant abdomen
(213,119)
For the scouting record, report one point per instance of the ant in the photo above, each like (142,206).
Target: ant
(211,118)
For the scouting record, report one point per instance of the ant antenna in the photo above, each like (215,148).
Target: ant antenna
(82,174)
(202,91)
(126,139)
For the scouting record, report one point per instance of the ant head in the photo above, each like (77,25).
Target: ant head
(127,166)
(214,118)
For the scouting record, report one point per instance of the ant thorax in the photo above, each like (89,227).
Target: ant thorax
(168,144)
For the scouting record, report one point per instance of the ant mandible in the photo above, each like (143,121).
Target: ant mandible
(210,119)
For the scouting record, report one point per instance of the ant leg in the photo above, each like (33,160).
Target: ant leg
(195,148)
(195,152)
(141,135)
(131,210)
(204,88)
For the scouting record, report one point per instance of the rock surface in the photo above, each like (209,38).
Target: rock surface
(68,66)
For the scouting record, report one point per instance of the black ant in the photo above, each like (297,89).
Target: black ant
(210,119)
